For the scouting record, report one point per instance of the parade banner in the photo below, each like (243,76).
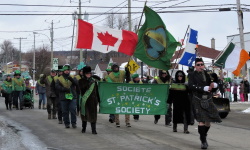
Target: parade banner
(138,99)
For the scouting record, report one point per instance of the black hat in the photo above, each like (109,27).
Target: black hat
(60,68)
(198,60)
(114,66)
(86,69)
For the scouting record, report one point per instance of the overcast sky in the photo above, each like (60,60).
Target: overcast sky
(214,24)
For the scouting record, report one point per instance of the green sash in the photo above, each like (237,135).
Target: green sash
(65,83)
(19,81)
(85,97)
(78,77)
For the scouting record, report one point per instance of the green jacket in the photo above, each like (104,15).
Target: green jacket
(7,87)
(18,84)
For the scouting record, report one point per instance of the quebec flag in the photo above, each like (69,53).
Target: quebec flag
(189,55)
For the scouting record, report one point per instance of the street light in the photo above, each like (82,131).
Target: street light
(34,62)
(51,63)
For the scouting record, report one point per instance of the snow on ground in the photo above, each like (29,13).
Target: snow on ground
(246,111)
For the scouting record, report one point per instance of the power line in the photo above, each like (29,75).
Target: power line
(110,6)
(100,13)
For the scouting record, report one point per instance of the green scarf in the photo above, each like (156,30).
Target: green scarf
(85,97)
(176,86)
(159,81)
(117,77)
(38,81)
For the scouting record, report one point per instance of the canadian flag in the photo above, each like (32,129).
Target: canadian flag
(104,40)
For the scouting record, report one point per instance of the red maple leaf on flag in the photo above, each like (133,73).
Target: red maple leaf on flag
(107,39)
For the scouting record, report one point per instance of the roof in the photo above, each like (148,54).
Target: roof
(120,60)
(203,51)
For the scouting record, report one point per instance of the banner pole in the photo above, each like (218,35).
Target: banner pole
(178,54)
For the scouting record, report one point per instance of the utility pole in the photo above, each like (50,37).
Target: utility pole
(129,16)
(242,42)
(20,55)
(72,42)
(51,43)
(34,63)
(80,17)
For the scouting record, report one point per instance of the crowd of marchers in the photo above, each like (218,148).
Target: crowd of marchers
(65,96)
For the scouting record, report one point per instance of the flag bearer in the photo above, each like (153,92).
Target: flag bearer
(164,78)
(136,80)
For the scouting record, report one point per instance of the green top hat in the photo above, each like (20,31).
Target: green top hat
(66,67)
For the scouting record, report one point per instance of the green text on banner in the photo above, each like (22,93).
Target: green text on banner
(141,99)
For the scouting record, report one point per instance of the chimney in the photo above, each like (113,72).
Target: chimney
(213,43)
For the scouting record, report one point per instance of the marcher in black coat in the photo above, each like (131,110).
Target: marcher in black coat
(89,99)
(204,109)
(164,78)
(178,95)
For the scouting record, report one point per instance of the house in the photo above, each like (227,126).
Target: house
(100,68)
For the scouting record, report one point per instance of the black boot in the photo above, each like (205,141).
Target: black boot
(93,127)
(175,127)
(186,129)
(84,125)
(202,131)
(207,128)
(10,106)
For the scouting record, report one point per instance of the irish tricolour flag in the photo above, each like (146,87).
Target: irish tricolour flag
(104,40)
(233,59)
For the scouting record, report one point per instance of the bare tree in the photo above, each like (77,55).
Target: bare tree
(8,52)
(111,21)
(122,22)
(42,60)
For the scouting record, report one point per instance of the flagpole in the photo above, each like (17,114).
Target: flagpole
(179,53)
(138,27)
(223,50)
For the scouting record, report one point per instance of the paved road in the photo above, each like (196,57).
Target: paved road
(31,129)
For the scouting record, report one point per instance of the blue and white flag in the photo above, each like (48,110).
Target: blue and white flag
(188,55)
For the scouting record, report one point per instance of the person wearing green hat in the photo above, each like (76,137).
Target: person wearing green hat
(119,76)
(7,90)
(18,87)
(136,80)
(106,78)
(66,87)
(53,88)
(50,94)
(41,91)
